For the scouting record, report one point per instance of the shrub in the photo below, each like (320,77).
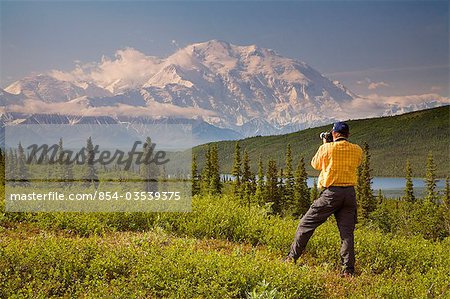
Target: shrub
(143,265)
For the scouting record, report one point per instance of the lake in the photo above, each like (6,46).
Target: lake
(390,187)
(394,187)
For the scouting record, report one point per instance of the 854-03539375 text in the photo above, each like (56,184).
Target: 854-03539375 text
(97,195)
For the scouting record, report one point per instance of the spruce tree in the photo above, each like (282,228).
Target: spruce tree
(194,176)
(246,172)
(380,197)
(359,184)
(236,172)
(446,205)
(59,159)
(248,179)
(2,168)
(288,200)
(260,186)
(409,189)
(367,201)
(149,171)
(271,193)
(206,172)
(11,166)
(430,178)
(48,167)
(301,191)
(163,184)
(144,168)
(314,193)
(90,176)
(215,185)
(282,207)
(446,199)
(23,174)
(16,161)
(210,179)
(253,182)
(65,171)
(69,174)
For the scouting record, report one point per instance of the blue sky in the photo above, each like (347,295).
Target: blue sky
(395,48)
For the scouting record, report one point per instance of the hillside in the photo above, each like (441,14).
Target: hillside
(392,140)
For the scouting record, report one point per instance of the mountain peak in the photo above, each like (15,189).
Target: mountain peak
(212,42)
(231,84)
(220,46)
(246,88)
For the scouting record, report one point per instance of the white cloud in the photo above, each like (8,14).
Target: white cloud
(370,106)
(372,84)
(365,81)
(129,68)
(375,85)
(375,105)
(79,107)
(410,99)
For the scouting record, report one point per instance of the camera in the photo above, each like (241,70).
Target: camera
(327,136)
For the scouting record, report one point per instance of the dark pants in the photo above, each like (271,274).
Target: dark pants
(340,201)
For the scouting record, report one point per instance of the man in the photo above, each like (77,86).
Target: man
(337,161)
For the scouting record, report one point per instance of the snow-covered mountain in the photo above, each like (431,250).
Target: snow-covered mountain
(251,90)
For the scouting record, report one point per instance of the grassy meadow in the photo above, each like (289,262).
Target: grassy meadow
(220,250)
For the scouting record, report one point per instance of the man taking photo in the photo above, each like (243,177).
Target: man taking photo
(337,161)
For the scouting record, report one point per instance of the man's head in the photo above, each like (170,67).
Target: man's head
(340,129)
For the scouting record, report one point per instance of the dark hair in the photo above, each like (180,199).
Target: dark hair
(342,134)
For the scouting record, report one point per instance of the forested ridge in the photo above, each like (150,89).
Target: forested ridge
(392,139)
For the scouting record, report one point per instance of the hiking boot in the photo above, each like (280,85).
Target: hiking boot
(347,274)
(289,260)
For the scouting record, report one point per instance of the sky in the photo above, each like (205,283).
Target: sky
(373,47)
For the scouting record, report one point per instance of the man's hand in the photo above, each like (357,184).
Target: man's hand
(324,140)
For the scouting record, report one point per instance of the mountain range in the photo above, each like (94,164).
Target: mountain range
(227,90)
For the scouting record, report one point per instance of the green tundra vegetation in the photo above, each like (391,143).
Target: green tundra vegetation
(233,242)
(220,250)
(392,140)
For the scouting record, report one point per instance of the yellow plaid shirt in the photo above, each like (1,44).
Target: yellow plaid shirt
(337,162)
